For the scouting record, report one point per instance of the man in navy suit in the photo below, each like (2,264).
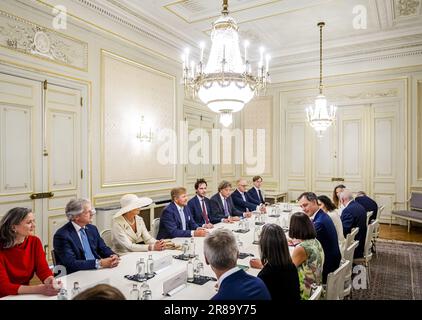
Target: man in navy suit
(326,232)
(200,206)
(255,193)
(221,253)
(176,220)
(242,200)
(368,203)
(78,245)
(352,216)
(222,207)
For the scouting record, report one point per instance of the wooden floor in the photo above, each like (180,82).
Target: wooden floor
(396,232)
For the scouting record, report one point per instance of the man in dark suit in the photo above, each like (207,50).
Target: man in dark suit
(242,200)
(200,206)
(326,232)
(368,203)
(221,253)
(352,216)
(176,219)
(222,207)
(78,245)
(256,194)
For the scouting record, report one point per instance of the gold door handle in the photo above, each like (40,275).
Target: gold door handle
(337,179)
(41,195)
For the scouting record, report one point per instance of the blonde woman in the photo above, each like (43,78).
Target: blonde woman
(129,232)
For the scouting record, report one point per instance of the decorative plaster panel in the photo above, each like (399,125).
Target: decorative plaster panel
(131,90)
(29,38)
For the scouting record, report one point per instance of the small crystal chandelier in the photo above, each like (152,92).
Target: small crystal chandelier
(226,83)
(319,116)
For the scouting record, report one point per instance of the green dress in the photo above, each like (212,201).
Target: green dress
(310,271)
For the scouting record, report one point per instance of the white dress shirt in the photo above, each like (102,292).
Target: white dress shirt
(182,212)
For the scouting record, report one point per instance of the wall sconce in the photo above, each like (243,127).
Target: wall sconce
(145,133)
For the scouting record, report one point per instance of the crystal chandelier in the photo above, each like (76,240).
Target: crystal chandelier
(226,82)
(319,116)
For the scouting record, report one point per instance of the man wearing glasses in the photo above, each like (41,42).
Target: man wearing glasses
(78,245)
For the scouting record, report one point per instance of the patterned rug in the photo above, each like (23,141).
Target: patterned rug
(396,272)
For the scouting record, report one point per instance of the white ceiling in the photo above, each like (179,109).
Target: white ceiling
(286,28)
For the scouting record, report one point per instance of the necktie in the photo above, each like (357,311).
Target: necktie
(85,244)
(204,212)
(260,196)
(182,217)
(226,208)
(243,196)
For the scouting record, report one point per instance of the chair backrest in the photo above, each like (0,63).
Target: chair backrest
(155,227)
(416,201)
(351,237)
(335,282)
(106,235)
(316,293)
(350,251)
(380,210)
(368,240)
(368,215)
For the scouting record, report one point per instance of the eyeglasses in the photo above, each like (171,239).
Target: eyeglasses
(243,185)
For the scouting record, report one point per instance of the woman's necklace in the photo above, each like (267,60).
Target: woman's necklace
(131,223)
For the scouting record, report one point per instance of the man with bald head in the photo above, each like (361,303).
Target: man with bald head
(352,216)
(242,200)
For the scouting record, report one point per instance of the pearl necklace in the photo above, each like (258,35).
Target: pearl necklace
(130,223)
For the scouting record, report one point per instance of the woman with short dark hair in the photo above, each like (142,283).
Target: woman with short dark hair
(22,256)
(278,271)
(308,255)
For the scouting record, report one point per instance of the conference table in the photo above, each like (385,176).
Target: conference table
(127,265)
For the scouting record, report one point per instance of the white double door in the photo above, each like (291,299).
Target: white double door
(40,154)
(365,149)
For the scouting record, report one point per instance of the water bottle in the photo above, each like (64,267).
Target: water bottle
(150,265)
(195,264)
(147,295)
(76,289)
(192,247)
(62,295)
(144,287)
(200,269)
(239,244)
(140,268)
(257,234)
(190,270)
(134,293)
(185,247)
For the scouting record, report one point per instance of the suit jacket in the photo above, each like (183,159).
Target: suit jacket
(354,215)
(69,251)
(241,204)
(254,196)
(171,224)
(125,240)
(217,208)
(196,210)
(242,286)
(369,205)
(327,236)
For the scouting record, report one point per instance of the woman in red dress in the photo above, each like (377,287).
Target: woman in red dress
(22,256)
